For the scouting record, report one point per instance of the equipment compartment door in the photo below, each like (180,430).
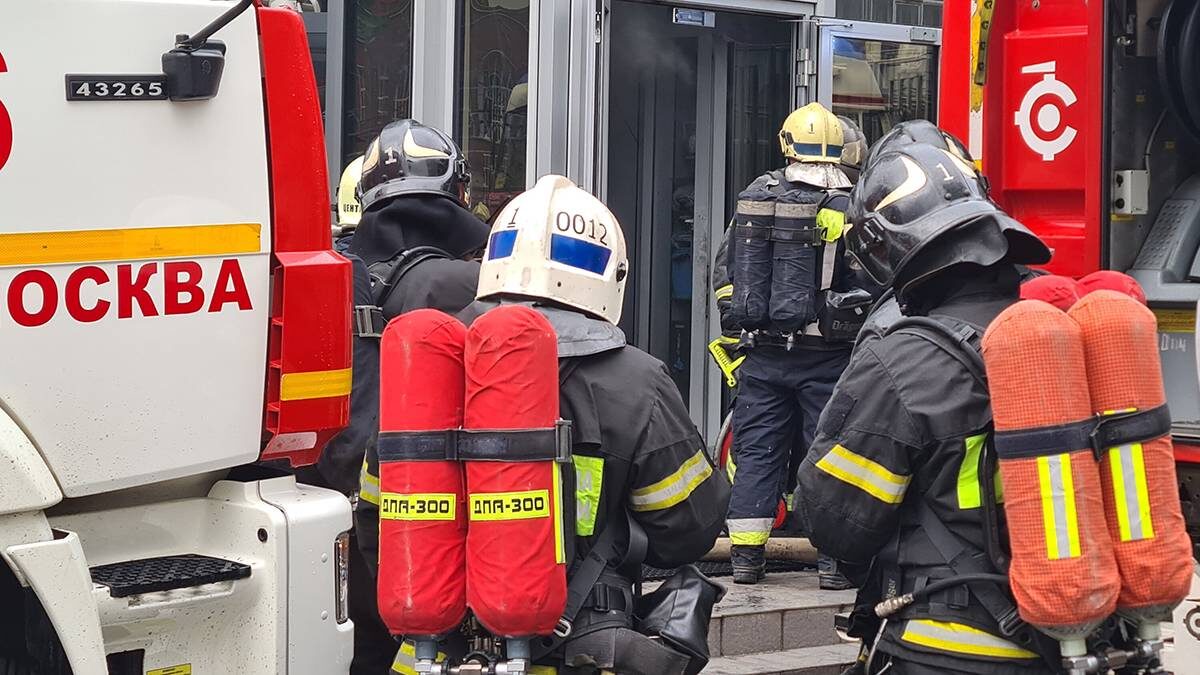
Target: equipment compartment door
(878,74)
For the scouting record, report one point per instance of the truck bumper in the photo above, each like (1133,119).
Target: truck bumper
(282,618)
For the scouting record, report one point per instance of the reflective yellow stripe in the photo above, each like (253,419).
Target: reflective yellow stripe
(417,507)
(186,241)
(1130,494)
(871,477)
(560,553)
(961,639)
(674,488)
(968,474)
(405,662)
(589,479)
(315,384)
(1059,521)
(749,531)
(723,292)
(368,486)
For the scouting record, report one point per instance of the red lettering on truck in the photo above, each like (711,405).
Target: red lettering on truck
(16,298)
(89,292)
(6,132)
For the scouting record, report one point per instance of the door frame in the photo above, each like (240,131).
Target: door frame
(828,29)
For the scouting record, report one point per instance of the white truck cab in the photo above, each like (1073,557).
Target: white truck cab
(170,316)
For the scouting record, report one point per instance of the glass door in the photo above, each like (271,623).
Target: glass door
(878,74)
(691,115)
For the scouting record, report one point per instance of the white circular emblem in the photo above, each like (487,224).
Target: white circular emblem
(1048,111)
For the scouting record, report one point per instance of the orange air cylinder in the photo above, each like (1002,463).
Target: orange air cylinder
(1063,574)
(516,563)
(422,519)
(1141,496)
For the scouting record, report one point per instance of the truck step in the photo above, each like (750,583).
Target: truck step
(825,660)
(153,575)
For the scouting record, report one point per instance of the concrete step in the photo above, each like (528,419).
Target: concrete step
(781,613)
(824,660)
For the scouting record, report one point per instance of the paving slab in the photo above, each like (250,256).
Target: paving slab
(826,660)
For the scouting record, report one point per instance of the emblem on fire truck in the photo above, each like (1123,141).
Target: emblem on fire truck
(1049,113)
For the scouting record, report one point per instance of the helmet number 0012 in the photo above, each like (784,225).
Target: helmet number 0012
(586,227)
(6,131)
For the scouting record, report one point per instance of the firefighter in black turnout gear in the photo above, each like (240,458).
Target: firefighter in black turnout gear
(798,308)
(895,474)
(411,249)
(645,488)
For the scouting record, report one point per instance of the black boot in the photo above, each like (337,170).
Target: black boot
(749,563)
(828,576)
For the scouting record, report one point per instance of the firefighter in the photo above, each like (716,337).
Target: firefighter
(887,310)
(413,248)
(643,478)
(787,276)
(894,463)
(349,210)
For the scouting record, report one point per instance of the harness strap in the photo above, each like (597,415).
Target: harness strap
(961,560)
(369,322)
(506,445)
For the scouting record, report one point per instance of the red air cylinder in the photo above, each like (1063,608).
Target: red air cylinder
(516,567)
(1063,574)
(422,511)
(1141,496)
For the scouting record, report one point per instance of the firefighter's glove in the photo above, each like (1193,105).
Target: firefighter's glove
(725,352)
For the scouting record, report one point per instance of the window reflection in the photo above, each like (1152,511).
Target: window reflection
(493,99)
(379,73)
(880,84)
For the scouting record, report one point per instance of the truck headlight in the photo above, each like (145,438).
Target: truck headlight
(341,570)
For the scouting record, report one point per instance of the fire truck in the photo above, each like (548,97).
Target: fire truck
(173,325)
(1086,119)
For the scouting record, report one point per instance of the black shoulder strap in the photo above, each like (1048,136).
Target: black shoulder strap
(959,339)
(386,274)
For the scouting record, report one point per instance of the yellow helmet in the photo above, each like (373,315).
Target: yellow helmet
(812,134)
(349,209)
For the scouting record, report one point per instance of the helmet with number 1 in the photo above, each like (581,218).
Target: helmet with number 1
(811,137)
(557,242)
(349,210)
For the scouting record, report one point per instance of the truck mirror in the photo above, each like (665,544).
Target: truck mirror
(194,72)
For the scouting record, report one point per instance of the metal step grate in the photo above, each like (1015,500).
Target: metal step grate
(151,575)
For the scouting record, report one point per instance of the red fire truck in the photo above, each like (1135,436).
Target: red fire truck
(1086,119)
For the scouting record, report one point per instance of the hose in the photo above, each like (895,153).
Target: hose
(891,606)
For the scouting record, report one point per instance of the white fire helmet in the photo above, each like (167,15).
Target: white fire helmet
(557,242)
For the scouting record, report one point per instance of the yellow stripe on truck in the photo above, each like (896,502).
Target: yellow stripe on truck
(134,243)
(315,384)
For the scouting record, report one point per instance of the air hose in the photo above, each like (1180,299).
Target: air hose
(891,606)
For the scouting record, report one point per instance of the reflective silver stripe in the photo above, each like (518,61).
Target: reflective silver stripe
(828,261)
(1129,475)
(405,662)
(1062,534)
(674,488)
(749,524)
(368,486)
(749,531)
(749,208)
(788,210)
(961,639)
(865,474)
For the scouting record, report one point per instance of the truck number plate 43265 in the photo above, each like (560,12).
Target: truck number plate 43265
(116,87)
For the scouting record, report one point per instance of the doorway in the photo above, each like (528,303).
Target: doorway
(694,104)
